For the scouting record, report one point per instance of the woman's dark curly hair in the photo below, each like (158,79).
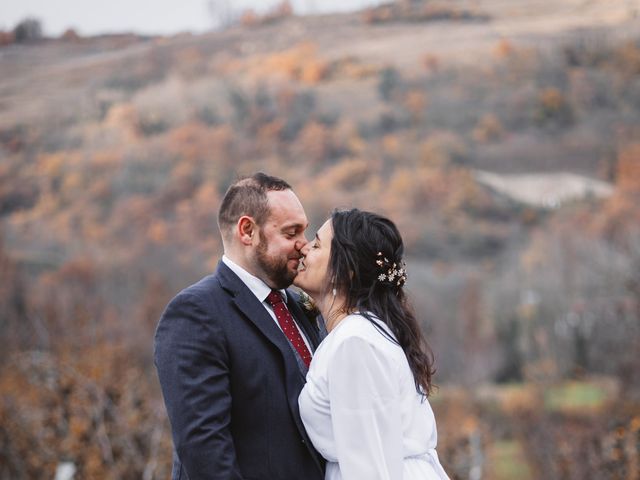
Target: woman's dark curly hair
(358,239)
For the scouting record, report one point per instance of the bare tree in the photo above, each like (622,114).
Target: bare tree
(222,13)
(28,30)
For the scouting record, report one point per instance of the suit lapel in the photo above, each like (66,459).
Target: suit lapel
(254,311)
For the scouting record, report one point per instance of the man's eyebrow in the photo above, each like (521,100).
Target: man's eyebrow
(293,226)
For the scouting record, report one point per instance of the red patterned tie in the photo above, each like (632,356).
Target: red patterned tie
(288,325)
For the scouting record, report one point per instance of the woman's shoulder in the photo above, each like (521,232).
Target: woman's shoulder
(368,329)
(359,337)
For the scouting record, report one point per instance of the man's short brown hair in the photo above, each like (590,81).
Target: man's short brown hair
(248,196)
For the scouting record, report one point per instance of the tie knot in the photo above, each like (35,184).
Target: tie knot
(274,298)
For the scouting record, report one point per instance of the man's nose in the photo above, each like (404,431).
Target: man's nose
(301,245)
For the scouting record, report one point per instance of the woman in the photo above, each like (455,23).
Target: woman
(365,401)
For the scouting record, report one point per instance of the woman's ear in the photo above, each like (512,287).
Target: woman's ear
(246,229)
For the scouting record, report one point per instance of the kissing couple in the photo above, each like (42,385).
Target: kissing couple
(258,387)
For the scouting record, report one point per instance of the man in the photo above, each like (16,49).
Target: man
(231,359)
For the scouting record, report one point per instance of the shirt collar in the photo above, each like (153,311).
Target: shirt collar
(260,289)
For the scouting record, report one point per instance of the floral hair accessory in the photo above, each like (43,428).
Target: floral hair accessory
(391,273)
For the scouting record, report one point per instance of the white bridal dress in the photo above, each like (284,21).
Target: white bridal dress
(362,411)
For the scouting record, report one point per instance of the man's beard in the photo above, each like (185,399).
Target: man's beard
(275,268)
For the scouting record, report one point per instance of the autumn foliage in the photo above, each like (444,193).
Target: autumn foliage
(108,202)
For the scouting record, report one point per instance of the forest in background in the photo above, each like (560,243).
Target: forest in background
(115,153)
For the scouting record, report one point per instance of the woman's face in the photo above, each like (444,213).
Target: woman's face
(312,274)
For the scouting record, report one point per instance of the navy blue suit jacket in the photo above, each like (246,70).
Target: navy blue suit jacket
(230,383)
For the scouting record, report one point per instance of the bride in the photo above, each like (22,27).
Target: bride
(365,401)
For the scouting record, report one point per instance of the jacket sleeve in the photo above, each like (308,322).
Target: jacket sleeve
(193,368)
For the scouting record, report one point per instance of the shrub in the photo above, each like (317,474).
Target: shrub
(28,30)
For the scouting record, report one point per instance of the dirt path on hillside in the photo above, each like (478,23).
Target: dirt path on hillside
(544,190)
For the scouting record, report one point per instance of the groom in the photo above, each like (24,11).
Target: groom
(232,350)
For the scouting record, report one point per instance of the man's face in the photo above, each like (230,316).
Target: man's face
(281,238)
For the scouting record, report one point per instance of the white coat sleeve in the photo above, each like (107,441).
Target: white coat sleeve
(365,412)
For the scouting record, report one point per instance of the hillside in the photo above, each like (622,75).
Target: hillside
(501,136)
(61,82)
(531,23)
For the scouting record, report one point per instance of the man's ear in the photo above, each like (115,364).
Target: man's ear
(246,229)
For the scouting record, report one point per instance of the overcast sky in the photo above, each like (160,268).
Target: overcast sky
(90,17)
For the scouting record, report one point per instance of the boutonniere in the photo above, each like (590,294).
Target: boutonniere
(308,305)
